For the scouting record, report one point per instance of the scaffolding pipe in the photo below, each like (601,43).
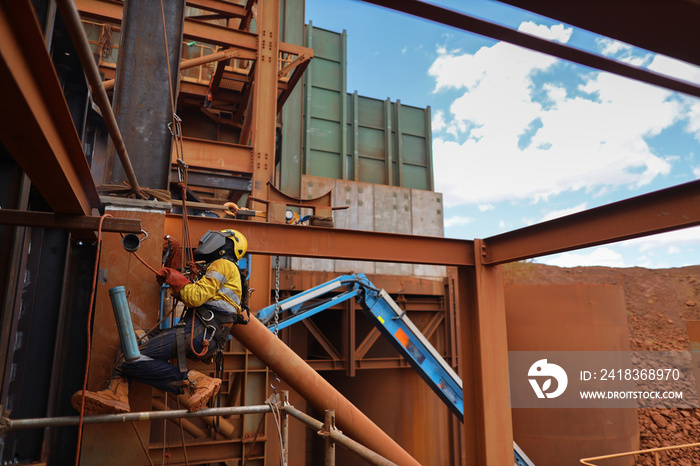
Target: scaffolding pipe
(338,437)
(328,429)
(17,424)
(317,391)
(82,46)
(285,428)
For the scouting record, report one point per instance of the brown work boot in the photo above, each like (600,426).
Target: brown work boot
(201,388)
(113,400)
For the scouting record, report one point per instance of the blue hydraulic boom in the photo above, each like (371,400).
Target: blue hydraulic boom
(393,323)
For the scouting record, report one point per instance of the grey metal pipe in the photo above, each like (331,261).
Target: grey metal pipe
(17,424)
(82,46)
(285,428)
(338,437)
(328,429)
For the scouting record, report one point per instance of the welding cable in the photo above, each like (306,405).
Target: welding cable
(89,335)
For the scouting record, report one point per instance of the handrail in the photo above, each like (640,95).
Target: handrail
(638,452)
(337,437)
(17,424)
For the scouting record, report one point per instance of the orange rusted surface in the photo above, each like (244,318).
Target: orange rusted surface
(120,268)
(570,317)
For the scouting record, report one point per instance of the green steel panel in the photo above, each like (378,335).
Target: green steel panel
(292,18)
(327,44)
(416,177)
(413,121)
(325,136)
(380,141)
(325,164)
(413,150)
(325,104)
(370,112)
(371,170)
(371,143)
(327,74)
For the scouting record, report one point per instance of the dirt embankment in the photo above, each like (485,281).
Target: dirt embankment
(659,305)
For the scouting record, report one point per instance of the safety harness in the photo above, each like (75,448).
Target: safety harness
(217,327)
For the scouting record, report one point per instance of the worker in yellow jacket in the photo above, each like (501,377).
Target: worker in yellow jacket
(215,303)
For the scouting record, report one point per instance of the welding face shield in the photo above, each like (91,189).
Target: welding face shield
(212,242)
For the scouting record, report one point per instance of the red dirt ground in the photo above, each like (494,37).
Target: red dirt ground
(659,303)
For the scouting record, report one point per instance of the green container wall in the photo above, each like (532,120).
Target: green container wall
(351,137)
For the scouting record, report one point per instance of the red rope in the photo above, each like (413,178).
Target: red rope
(205,343)
(89,337)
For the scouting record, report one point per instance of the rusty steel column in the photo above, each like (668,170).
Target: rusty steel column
(142,100)
(317,391)
(264,127)
(488,426)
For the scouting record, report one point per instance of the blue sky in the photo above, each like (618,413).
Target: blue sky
(520,137)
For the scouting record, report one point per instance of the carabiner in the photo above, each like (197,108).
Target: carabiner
(213,331)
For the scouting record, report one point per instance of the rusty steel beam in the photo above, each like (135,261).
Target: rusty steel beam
(332,243)
(488,428)
(316,390)
(111,11)
(649,214)
(68,222)
(37,128)
(223,8)
(459,20)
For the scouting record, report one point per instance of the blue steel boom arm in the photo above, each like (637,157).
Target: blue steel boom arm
(392,322)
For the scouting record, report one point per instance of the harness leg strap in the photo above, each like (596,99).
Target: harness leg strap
(181,343)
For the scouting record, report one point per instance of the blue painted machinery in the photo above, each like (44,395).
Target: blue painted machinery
(393,323)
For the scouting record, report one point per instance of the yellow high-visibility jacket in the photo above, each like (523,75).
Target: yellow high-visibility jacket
(220,287)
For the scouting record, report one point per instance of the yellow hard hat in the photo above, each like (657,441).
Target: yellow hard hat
(240,243)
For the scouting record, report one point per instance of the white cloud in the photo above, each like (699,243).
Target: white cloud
(564,212)
(589,139)
(557,32)
(602,256)
(622,52)
(677,239)
(675,68)
(612,47)
(438,123)
(457,221)
(486,207)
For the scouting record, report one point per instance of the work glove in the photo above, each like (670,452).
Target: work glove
(172,277)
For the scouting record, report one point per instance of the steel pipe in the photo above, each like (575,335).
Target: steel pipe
(192,62)
(328,429)
(17,424)
(82,46)
(317,391)
(338,437)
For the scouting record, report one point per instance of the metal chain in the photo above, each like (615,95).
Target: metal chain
(277,294)
(276,380)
